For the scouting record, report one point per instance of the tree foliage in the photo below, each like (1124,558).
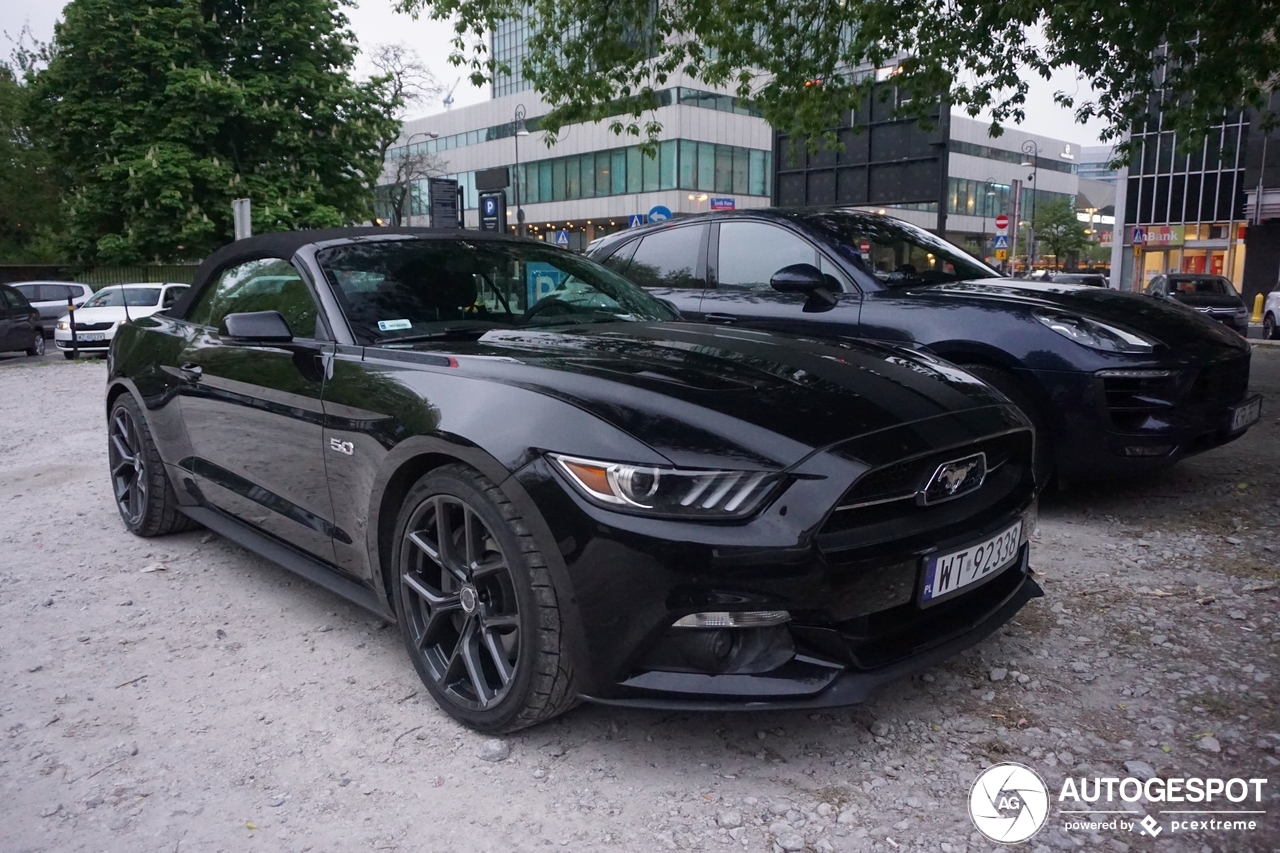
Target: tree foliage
(793,57)
(160,112)
(28,189)
(1056,226)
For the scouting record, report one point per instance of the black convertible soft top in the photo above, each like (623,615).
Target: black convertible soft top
(285,244)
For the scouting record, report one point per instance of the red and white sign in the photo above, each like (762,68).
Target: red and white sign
(865,247)
(1002,222)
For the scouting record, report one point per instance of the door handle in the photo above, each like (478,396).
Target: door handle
(191,370)
(723,319)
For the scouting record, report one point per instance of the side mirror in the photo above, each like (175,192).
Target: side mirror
(806,279)
(256,327)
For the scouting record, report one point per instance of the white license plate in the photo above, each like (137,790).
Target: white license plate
(1246,414)
(91,336)
(949,572)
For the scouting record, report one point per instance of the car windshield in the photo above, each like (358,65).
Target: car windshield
(116,297)
(1220,286)
(897,253)
(396,290)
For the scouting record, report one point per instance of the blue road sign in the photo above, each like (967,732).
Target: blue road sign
(635,220)
(659,213)
(1001,242)
(562,239)
(1139,236)
(489,206)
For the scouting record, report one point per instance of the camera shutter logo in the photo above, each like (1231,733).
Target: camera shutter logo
(1008,803)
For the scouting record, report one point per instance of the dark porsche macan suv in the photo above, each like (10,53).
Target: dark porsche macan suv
(558,489)
(1115,383)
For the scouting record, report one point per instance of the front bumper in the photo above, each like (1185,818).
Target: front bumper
(62,339)
(855,618)
(1107,429)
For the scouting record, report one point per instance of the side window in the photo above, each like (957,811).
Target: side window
(31,291)
(751,252)
(269,284)
(8,301)
(668,258)
(16,301)
(838,282)
(619,260)
(172,294)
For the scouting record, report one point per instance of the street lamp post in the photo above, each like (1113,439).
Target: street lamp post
(521,130)
(982,238)
(408,194)
(1030,149)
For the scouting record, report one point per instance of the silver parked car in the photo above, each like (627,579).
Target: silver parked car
(50,298)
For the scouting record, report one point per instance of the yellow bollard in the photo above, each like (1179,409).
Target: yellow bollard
(1257,309)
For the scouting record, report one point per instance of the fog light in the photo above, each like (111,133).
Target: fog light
(1135,374)
(726,619)
(1148,450)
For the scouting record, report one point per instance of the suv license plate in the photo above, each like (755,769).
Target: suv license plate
(947,573)
(1246,414)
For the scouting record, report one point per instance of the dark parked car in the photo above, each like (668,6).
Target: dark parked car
(1116,383)
(1090,279)
(574,496)
(1211,295)
(20,326)
(50,298)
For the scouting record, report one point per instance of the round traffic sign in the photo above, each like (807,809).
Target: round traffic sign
(1002,222)
(865,247)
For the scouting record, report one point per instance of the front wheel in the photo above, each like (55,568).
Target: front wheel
(143,494)
(1009,385)
(1269,330)
(37,344)
(476,605)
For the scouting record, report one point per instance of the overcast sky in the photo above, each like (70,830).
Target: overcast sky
(374,23)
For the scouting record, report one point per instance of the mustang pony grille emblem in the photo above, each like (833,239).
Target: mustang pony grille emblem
(954,479)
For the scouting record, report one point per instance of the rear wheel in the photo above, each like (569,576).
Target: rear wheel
(1010,386)
(1269,330)
(144,496)
(476,605)
(37,343)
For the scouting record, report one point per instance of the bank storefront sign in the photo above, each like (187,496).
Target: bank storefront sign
(1158,236)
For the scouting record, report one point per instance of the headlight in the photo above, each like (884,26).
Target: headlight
(1095,335)
(669,491)
(63,325)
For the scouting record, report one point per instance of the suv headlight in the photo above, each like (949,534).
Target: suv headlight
(657,490)
(1095,335)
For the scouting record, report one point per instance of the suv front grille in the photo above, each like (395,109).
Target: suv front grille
(1221,382)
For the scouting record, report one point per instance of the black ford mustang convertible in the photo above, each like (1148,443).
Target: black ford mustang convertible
(562,492)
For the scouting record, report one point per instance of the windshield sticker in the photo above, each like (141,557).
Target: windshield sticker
(393,325)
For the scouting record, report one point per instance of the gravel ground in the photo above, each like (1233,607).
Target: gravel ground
(180,694)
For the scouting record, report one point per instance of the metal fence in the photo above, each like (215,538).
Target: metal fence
(98,276)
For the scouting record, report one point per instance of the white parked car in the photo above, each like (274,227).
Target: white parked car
(1271,314)
(104,312)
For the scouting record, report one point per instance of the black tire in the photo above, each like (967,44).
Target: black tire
(69,356)
(1010,386)
(1269,330)
(479,616)
(139,483)
(37,344)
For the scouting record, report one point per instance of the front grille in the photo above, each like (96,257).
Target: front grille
(92,327)
(881,505)
(1221,382)
(1131,400)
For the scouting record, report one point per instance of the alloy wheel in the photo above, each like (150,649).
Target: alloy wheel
(37,345)
(128,470)
(460,600)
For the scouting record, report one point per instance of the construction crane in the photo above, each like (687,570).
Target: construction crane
(448,98)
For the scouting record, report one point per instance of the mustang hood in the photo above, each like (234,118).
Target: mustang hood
(697,392)
(1170,324)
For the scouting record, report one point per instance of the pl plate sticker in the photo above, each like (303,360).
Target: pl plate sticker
(393,325)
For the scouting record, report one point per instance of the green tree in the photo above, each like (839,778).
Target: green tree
(1057,227)
(794,57)
(161,112)
(28,189)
